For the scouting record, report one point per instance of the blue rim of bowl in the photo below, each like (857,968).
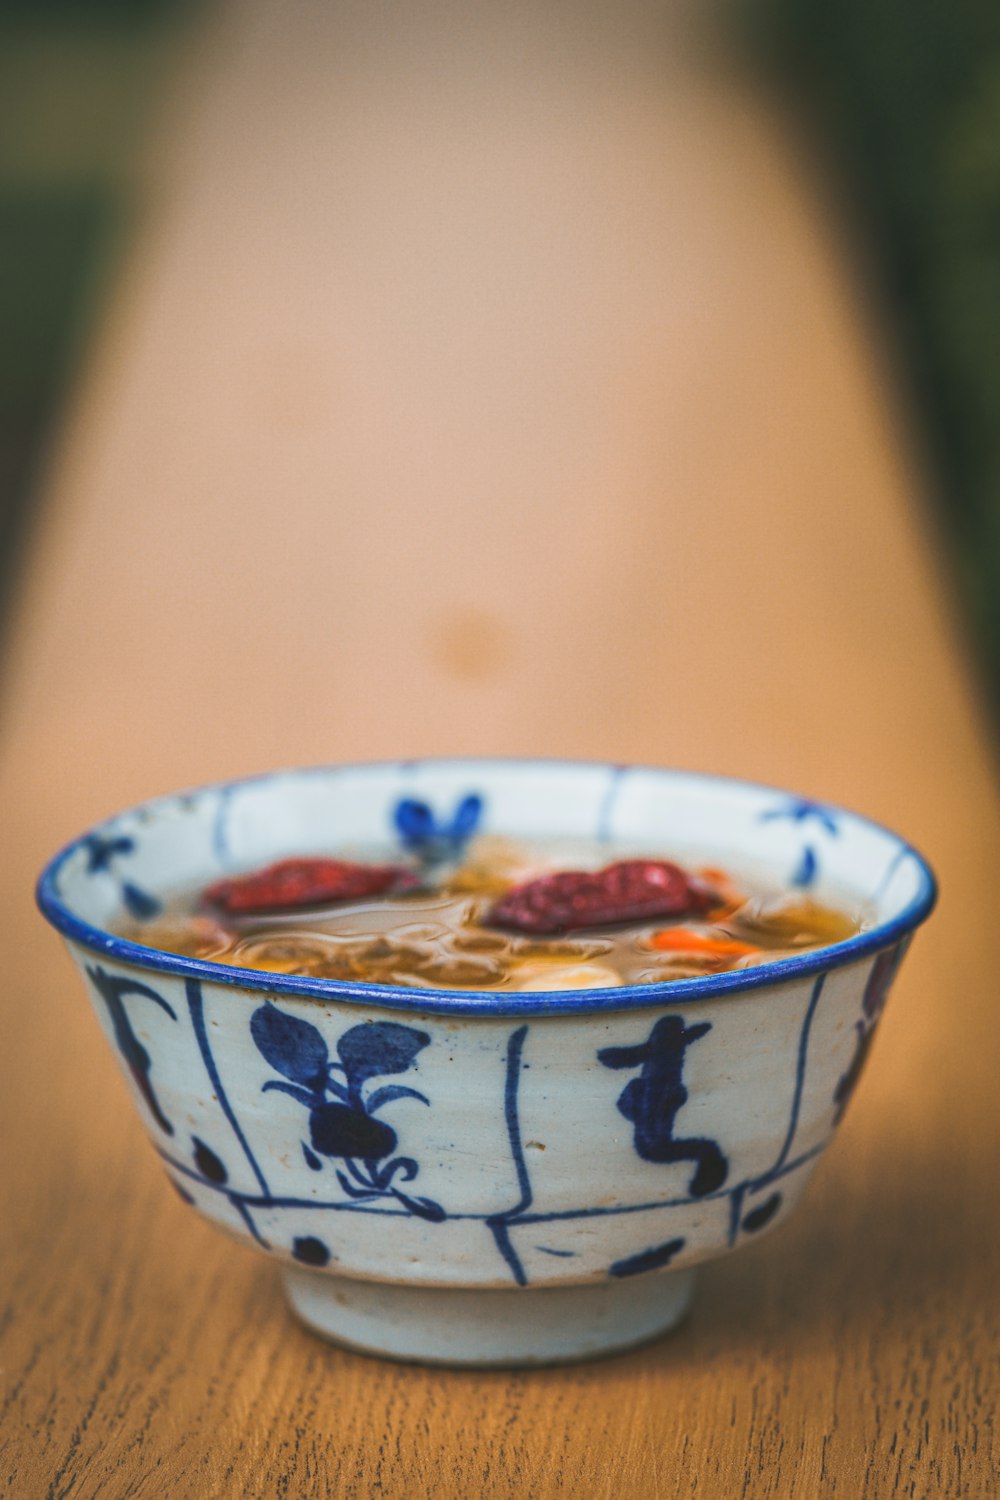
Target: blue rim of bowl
(502,1005)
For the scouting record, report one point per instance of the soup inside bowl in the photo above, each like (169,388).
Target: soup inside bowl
(471,913)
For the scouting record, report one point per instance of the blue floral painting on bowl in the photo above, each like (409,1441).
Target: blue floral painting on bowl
(344,1112)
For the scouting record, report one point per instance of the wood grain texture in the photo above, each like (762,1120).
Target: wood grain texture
(558,434)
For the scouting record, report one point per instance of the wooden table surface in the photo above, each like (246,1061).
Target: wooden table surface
(502,392)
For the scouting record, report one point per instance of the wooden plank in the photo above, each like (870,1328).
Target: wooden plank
(494,393)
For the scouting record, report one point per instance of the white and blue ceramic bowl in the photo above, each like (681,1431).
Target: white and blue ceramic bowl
(478,1178)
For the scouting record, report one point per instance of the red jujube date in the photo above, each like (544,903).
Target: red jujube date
(633,890)
(293,883)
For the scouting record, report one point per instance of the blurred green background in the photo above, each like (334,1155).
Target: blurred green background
(79,84)
(902,98)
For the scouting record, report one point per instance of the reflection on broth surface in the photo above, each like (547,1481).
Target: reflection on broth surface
(506,917)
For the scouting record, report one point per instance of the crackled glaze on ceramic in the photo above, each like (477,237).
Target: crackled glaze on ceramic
(445,1139)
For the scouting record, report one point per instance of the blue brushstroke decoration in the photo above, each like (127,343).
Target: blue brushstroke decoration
(803,810)
(196,1010)
(801,1058)
(653,1259)
(762,1215)
(310,1251)
(210,1165)
(652,1101)
(140,904)
(112,989)
(343,1116)
(806,870)
(880,978)
(606,811)
(500,1223)
(434,839)
(101,851)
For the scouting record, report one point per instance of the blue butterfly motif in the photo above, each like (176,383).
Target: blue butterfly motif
(432,838)
(804,811)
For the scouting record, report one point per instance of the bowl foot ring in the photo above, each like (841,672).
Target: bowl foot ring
(482,1327)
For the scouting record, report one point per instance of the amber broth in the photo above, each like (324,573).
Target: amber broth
(439,937)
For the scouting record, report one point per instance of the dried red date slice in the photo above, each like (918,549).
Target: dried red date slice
(633,890)
(294,883)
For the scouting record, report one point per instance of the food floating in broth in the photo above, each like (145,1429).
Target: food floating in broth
(497,916)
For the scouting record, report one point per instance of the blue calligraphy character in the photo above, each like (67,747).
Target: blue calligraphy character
(112,989)
(651,1101)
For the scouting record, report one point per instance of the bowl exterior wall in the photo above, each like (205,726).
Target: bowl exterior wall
(489,1151)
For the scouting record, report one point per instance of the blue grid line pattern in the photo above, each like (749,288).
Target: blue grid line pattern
(196,1008)
(263,1201)
(606,810)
